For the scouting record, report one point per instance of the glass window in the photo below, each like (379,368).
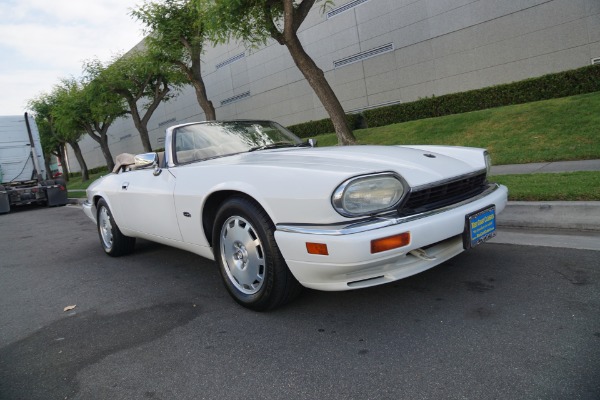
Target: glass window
(206,140)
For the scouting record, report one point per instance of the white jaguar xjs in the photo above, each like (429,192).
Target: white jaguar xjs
(277,213)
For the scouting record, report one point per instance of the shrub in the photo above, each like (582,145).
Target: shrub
(314,128)
(562,84)
(568,83)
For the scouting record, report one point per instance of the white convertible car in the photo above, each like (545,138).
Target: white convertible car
(277,213)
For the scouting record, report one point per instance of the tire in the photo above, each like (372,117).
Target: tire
(113,242)
(251,265)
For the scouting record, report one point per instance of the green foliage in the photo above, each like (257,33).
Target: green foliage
(42,110)
(174,29)
(312,128)
(61,114)
(102,170)
(568,83)
(566,186)
(542,131)
(176,35)
(139,75)
(142,79)
(239,19)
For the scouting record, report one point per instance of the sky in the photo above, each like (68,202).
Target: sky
(42,41)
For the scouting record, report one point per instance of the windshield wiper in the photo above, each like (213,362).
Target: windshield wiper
(273,146)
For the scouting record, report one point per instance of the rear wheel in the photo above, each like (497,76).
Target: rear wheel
(112,240)
(251,265)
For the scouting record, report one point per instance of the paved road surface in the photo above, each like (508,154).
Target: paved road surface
(498,322)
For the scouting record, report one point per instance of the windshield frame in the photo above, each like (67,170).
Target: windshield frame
(202,132)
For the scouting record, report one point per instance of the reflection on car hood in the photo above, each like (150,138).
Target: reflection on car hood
(411,163)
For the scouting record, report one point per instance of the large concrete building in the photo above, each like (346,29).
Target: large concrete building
(378,52)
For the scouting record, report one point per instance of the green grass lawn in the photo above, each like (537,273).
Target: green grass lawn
(76,183)
(550,130)
(568,186)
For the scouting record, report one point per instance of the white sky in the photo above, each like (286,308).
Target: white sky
(42,41)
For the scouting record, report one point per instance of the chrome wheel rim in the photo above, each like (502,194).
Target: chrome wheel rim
(242,255)
(105,228)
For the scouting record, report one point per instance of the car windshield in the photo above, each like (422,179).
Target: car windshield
(206,140)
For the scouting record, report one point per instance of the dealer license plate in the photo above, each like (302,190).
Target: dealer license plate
(481,226)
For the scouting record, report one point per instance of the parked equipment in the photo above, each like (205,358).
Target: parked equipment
(23,178)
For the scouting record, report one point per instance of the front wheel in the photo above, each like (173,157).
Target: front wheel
(112,240)
(251,265)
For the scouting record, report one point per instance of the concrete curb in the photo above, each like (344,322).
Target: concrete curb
(578,215)
(575,215)
(546,167)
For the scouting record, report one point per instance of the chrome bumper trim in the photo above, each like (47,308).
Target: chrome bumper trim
(371,223)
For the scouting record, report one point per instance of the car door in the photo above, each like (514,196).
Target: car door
(145,203)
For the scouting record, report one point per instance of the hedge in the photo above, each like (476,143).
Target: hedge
(312,128)
(562,84)
(91,171)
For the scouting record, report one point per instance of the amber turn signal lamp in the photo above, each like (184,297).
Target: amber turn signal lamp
(390,242)
(317,248)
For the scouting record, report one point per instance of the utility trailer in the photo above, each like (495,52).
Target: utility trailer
(23,177)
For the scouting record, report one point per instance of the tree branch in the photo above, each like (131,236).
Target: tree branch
(273,31)
(301,12)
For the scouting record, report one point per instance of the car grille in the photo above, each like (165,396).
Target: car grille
(445,194)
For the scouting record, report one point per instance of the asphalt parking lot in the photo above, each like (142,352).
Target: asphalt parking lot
(500,321)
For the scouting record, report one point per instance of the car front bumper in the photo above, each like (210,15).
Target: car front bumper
(350,264)
(90,210)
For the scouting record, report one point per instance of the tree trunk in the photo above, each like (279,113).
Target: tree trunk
(82,165)
(110,164)
(142,128)
(316,79)
(198,83)
(63,161)
(47,158)
(102,139)
(141,123)
(292,19)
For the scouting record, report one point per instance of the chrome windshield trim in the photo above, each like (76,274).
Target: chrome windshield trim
(378,222)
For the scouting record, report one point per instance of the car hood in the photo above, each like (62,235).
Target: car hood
(286,180)
(417,166)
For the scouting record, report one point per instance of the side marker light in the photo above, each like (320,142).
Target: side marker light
(317,248)
(390,242)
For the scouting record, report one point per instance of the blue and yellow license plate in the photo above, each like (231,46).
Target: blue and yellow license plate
(481,226)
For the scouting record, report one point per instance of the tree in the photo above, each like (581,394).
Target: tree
(41,107)
(142,79)
(53,139)
(175,30)
(87,107)
(255,21)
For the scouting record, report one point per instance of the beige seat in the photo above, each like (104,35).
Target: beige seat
(123,161)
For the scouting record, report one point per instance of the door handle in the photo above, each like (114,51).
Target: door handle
(124,185)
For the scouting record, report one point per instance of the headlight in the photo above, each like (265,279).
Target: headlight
(368,194)
(488,162)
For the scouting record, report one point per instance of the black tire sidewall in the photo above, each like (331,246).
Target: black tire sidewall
(102,204)
(264,229)
(121,245)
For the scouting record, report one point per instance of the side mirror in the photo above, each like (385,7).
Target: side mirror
(145,160)
(148,160)
(312,142)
